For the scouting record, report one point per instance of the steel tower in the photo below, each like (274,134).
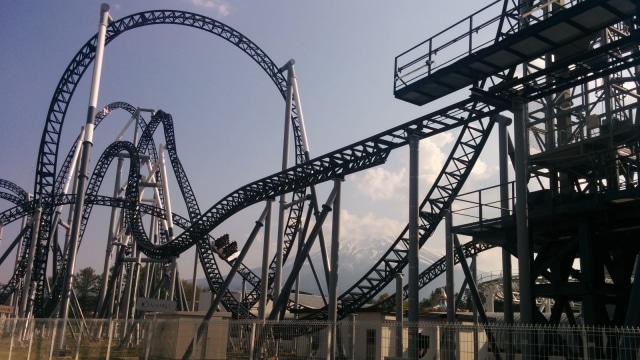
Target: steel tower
(567,73)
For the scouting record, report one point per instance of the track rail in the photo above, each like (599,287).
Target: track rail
(439,198)
(45,184)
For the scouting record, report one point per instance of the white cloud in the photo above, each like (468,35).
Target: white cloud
(364,228)
(381,184)
(482,171)
(221,8)
(378,183)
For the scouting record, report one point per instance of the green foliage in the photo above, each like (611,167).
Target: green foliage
(87,288)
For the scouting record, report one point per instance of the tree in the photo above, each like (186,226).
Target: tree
(87,288)
(384,296)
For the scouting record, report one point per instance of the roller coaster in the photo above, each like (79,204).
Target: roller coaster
(561,59)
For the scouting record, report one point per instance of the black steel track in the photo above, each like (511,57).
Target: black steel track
(59,263)
(48,152)
(205,253)
(434,270)
(359,156)
(447,185)
(350,159)
(15,189)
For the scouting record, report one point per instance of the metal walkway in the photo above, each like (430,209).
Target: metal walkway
(419,78)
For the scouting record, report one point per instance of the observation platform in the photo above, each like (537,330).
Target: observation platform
(555,217)
(442,64)
(615,144)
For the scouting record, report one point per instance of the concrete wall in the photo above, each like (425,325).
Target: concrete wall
(174,336)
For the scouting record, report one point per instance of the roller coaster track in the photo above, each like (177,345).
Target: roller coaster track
(364,154)
(359,156)
(434,270)
(19,192)
(99,172)
(474,115)
(61,182)
(446,186)
(60,190)
(47,155)
(205,252)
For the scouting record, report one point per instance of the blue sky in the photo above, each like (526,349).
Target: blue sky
(229,116)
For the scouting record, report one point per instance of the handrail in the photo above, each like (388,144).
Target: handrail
(425,58)
(476,204)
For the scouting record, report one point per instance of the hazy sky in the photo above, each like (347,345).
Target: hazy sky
(229,115)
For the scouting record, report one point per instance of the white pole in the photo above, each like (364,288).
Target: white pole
(167,197)
(84,169)
(264,288)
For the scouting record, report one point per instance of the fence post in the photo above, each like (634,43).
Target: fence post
(53,336)
(78,345)
(30,337)
(109,336)
(252,339)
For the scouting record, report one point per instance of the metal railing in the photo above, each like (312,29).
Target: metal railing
(482,207)
(465,37)
(252,339)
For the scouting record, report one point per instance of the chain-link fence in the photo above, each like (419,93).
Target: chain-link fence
(175,337)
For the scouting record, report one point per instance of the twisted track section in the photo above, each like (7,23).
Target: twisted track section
(205,253)
(359,156)
(60,192)
(45,187)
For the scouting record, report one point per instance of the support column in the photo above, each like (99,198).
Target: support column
(264,282)
(589,270)
(87,144)
(174,276)
(503,140)
(474,305)
(414,152)
(215,302)
(333,286)
(277,283)
(15,297)
(26,287)
(449,262)
(112,229)
(195,279)
(522,227)
(281,301)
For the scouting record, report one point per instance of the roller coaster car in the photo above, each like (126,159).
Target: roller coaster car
(220,243)
(230,251)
